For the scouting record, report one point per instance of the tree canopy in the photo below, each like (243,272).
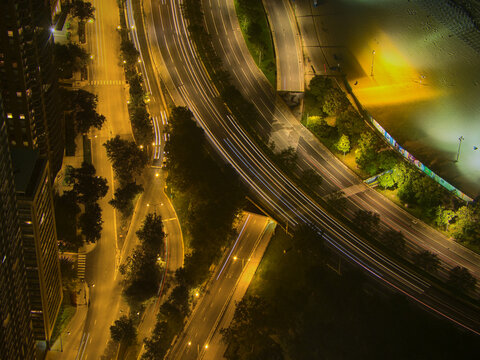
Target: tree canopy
(69,58)
(128,160)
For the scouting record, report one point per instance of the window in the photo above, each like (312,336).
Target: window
(19,94)
(9,115)
(10,33)
(22,117)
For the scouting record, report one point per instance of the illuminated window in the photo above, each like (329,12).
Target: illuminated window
(19,94)
(9,115)
(10,33)
(22,116)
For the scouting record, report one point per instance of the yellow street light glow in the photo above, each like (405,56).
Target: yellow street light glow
(119,27)
(124,61)
(139,60)
(132,27)
(234,258)
(189,343)
(148,204)
(157,174)
(197,294)
(141,147)
(153,143)
(206,346)
(91,56)
(90,21)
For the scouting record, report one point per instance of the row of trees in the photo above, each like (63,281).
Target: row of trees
(253,22)
(302,309)
(128,162)
(367,224)
(137,108)
(87,189)
(141,270)
(207,196)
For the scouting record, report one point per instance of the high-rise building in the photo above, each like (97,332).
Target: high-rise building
(16,335)
(28,79)
(37,223)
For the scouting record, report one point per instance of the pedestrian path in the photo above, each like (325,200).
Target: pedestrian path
(106,82)
(81,262)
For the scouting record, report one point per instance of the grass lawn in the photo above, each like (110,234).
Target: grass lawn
(261,45)
(67,311)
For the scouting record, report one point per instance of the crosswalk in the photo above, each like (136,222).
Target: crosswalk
(106,82)
(81,262)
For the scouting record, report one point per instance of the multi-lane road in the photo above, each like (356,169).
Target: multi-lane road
(214,311)
(106,79)
(187,81)
(288,45)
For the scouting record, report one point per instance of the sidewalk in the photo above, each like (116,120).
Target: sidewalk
(67,344)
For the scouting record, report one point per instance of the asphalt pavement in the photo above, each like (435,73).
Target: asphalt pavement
(186,78)
(288,45)
(226,286)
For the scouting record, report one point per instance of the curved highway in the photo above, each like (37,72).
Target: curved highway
(188,81)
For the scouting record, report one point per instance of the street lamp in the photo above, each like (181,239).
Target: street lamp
(373,59)
(459,145)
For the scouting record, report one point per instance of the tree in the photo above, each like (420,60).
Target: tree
(66,212)
(123,330)
(141,275)
(129,53)
(444,217)
(343,144)
(366,154)
(249,333)
(386,181)
(311,179)
(82,10)
(393,240)
(366,222)
(151,234)
(67,269)
(124,196)
(127,158)
(337,200)
(460,279)
(426,260)
(335,102)
(69,58)
(142,124)
(137,95)
(467,223)
(87,185)
(84,105)
(351,124)
(287,158)
(90,222)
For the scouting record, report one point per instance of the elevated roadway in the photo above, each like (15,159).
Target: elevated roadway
(187,81)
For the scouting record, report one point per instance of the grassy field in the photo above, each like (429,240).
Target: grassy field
(257,35)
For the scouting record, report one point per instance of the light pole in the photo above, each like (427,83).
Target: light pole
(459,145)
(373,60)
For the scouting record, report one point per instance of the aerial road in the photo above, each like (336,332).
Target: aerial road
(227,285)
(230,45)
(288,45)
(272,188)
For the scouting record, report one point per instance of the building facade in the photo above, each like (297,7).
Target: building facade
(37,222)
(28,79)
(16,334)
